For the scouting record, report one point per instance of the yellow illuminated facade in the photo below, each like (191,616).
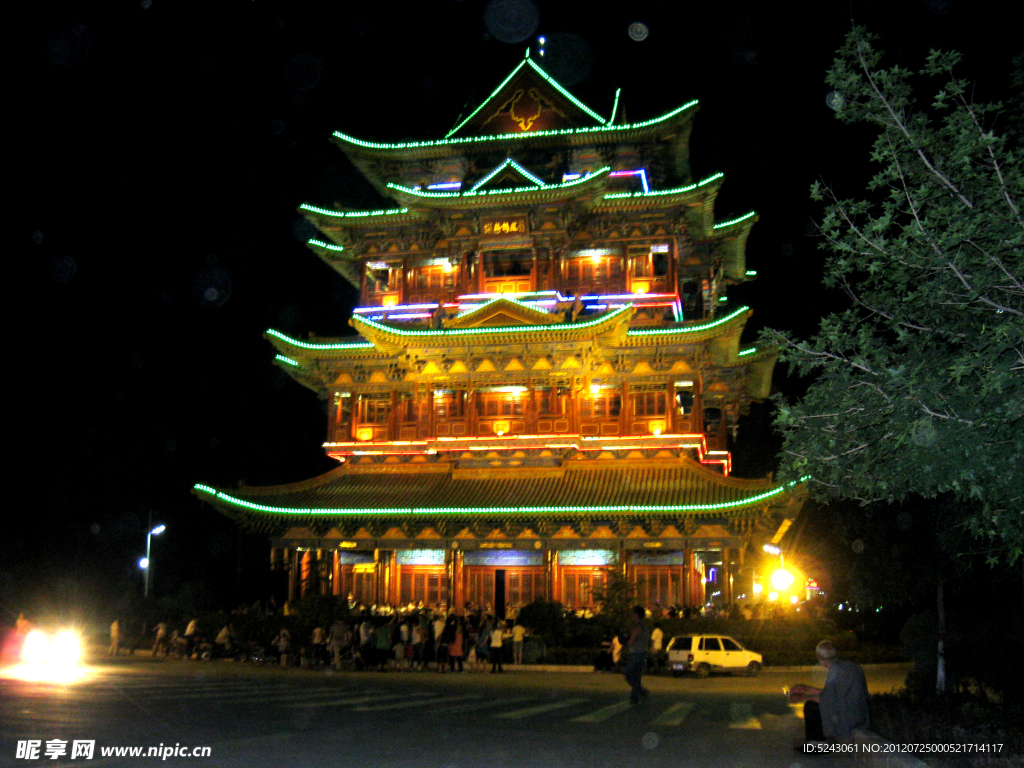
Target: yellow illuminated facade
(545,373)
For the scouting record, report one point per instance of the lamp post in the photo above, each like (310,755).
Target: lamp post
(144,563)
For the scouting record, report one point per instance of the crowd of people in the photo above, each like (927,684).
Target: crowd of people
(415,640)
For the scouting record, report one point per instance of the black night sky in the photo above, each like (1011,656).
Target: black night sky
(157,149)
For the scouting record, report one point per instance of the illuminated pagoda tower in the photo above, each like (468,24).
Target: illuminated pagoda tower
(544,376)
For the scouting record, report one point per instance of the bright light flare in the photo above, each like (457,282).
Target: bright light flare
(48,659)
(782,580)
(66,648)
(36,649)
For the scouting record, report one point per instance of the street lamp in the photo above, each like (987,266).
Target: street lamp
(145,562)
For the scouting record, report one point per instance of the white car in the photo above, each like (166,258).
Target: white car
(704,654)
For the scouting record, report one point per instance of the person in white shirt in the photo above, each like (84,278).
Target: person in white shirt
(497,643)
(657,639)
(190,635)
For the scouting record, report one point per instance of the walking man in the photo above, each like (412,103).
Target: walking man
(636,660)
(115,638)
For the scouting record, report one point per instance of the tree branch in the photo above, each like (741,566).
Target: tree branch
(898,122)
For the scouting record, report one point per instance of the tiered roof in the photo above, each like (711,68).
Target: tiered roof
(528,111)
(574,492)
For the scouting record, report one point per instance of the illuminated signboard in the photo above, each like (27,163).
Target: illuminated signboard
(420,557)
(588,557)
(504,557)
(355,558)
(515,226)
(661,558)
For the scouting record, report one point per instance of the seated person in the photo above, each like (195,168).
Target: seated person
(833,713)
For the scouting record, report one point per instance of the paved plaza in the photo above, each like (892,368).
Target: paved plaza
(270,717)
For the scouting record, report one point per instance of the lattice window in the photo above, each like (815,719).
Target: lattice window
(374,409)
(657,586)
(649,404)
(448,404)
(602,405)
(500,404)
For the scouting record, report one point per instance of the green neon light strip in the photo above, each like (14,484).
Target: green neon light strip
(307,345)
(695,329)
(322,244)
(506,164)
(515,190)
(615,105)
(495,329)
(502,329)
(751,273)
(750,351)
(287,360)
(506,136)
(492,510)
(350,214)
(493,94)
(561,90)
(655,193)
(737,220)
(554,83)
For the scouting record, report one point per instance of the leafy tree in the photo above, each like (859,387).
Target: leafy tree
(919,383)
(615,600)
(544,617)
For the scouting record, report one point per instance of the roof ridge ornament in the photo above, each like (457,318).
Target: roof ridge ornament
(547,78)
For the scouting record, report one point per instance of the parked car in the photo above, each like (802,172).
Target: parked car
(704,654)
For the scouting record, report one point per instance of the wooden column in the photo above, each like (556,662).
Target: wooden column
(625,416)
(670,407)
(470,404)
(336,568)
(556,577)
(531,408)
(546,559)
(457,595)
(431,412)
(574,403)
(392,424)
(378,575)
(687,586)
(292,561)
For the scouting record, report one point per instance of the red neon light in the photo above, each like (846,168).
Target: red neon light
(573,441)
